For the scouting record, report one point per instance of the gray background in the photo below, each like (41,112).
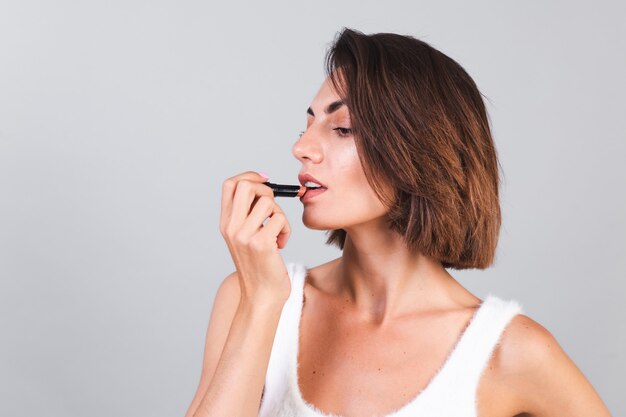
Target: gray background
(119,120)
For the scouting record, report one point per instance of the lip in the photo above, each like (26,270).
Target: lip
(311,194)
(303,178)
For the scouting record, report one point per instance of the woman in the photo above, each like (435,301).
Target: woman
(398,137)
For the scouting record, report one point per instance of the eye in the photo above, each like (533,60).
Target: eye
(343,131)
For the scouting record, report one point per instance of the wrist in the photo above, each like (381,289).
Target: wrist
(260,303)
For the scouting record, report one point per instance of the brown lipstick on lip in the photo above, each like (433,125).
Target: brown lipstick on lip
(284,190)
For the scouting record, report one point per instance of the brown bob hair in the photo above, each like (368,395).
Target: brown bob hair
(421,130)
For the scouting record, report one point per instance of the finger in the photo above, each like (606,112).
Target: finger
(245,194)
(277,228)
(265,207)
(228,192)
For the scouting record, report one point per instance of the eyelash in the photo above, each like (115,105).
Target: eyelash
(343,131)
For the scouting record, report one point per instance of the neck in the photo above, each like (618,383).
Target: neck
(381,279)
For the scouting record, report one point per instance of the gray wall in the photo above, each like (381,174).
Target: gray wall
(119,120)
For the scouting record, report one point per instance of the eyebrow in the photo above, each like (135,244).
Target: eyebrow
(331,107)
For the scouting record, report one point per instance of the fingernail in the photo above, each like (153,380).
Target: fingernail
(263,174)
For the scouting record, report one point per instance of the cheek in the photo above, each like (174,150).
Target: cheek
(348,165)
(361,190)
(354,185)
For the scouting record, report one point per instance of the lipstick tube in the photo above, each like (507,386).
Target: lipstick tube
(284,190)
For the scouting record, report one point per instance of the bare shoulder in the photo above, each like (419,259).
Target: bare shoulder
(526,343)
(230,287)
(534,365)
(225,304)
(224,308)
(227,298)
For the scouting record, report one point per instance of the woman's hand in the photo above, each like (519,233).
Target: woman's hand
(246,204)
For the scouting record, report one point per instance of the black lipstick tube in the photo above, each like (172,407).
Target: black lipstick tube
(284,190)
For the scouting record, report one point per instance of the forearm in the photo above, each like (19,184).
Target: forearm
(237,384)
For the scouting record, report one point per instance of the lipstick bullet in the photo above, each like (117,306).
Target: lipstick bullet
(284,190)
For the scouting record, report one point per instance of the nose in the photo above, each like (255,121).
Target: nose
(307,147)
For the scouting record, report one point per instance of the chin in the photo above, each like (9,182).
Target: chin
(320,222)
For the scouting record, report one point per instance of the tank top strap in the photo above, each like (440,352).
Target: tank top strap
(297,273)
(278,368)
(466,366)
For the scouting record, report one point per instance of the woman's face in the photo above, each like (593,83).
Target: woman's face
(327,151)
